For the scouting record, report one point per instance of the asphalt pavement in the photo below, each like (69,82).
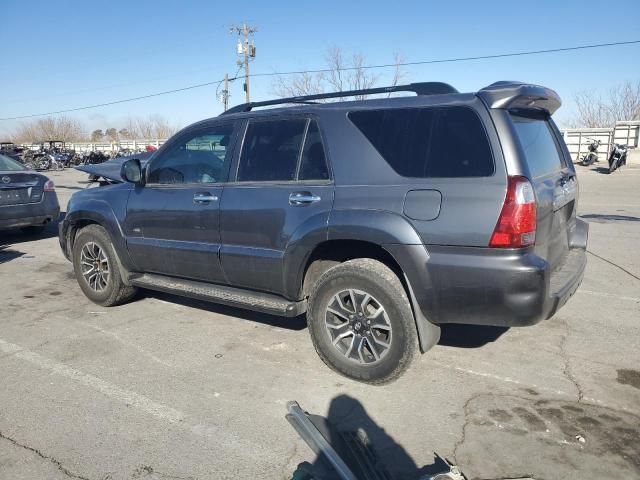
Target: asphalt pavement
(172,388)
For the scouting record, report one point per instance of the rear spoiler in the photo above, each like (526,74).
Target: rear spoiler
(518,95)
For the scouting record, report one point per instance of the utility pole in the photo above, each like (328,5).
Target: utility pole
(246,48)
(225,92)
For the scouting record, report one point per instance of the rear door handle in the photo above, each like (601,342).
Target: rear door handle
(204,197)
(303,198)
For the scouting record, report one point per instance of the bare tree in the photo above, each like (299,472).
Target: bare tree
(398,73)
(152,127)
(303,84)
(342,73)
(69,129)
(49,128)
(621,103)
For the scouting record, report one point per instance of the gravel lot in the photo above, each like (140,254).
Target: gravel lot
(170,388)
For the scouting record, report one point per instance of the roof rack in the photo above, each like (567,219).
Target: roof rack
(424,88)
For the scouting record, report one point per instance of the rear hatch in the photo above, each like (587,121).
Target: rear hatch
(18,188)
(554,182)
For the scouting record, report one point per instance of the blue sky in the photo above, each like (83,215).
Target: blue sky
(66,54)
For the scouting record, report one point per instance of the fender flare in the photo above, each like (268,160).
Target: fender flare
(100,212)
(382,228)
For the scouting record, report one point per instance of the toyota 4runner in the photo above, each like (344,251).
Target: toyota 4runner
(381,219)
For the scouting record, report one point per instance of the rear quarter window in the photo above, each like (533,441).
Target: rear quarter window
(538,144)
(433,142)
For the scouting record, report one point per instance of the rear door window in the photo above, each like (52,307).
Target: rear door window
(313,165)
(433,142)
(539,145)
(271,150)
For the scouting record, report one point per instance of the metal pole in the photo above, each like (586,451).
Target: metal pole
(579,144)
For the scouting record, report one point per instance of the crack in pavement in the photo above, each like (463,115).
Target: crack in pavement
(614,264)
(511,477)
(294,453)
(567,370)
(463,437)
(57,463)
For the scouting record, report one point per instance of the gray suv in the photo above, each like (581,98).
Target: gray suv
(381,219)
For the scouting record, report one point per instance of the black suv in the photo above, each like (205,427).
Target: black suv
(381,219)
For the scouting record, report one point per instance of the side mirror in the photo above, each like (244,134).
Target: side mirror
(131,171)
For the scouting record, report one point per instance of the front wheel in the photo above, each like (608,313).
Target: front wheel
(361,322)
(97,269)
(614,165)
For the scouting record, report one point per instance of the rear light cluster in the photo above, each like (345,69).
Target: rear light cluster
(516,227)
(49,186)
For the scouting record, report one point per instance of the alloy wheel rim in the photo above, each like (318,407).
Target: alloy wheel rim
(358,326)
(94,266)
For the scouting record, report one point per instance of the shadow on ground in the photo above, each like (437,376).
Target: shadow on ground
(16,236)
(469,336)
(605,218)
(347,428)
(297,323)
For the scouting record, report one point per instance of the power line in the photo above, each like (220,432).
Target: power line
(323,70)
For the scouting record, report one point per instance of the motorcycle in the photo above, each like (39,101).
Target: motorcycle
(92,158)
(591,156)
(618,157)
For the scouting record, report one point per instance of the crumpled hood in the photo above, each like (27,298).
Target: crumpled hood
(110,169)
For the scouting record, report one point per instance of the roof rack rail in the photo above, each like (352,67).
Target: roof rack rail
(424,88)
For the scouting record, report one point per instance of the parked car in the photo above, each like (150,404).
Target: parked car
(11,150)
(27,199)
(381,219)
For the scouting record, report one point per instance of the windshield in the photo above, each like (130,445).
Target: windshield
(9,165)
(540,148)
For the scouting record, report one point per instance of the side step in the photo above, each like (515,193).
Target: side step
(234,297)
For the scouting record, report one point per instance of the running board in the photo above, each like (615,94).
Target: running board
(234,297)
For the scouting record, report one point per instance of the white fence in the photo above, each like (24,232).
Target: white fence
(106,146)
(578,139)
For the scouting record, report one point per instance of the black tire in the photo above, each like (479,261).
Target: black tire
(33,229)
(364,277)
(613,166)
(113,291)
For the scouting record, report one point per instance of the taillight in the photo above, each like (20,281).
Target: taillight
(49,186)
(516,225)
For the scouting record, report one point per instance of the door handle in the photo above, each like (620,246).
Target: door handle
(303,198)
(204,197)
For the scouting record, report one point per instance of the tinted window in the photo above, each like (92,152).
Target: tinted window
(271,150)
(313,165)
(197,158)
(540,148)
(7,164)
(428,142)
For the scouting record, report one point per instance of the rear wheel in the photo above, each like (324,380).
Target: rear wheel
(361,322)
(97,269)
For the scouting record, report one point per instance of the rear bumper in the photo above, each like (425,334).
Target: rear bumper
(485,286)
(25,215)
